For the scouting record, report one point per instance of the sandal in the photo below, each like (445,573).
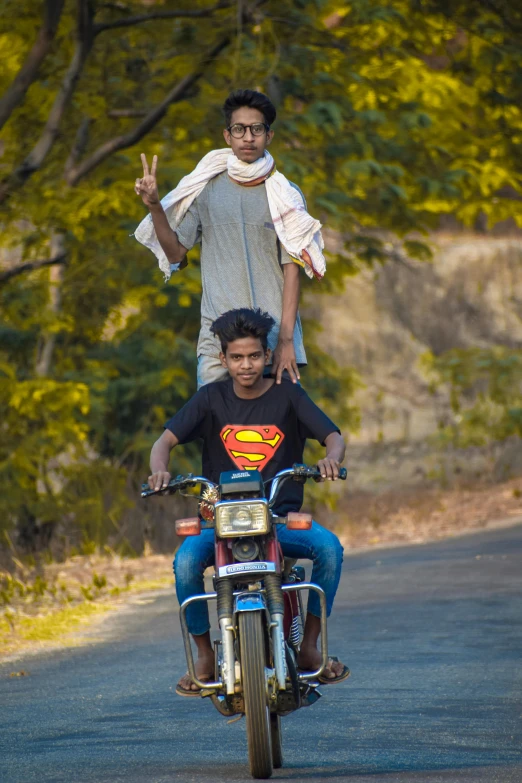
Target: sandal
(343,675)
(182,691)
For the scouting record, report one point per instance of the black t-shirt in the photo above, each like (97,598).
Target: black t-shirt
(267,433)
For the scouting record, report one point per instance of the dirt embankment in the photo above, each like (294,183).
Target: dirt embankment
(386,318)
(416,516)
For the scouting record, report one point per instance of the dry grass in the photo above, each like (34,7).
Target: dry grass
(418,515)
(49,607)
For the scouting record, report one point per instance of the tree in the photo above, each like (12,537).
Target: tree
(485,391)
(390,114)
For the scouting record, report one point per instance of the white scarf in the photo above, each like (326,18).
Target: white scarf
(298,232)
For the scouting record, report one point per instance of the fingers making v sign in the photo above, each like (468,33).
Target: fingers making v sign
(146,186)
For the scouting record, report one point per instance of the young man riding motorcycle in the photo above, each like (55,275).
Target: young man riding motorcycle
(244,421)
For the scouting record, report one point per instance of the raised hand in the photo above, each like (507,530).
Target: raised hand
(147,187)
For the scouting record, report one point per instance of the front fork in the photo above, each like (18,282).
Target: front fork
(244,601)
(275,601)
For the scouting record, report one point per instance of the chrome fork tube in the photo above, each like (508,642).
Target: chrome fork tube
(229,659)
(225,611)
(276,607)
(278,644)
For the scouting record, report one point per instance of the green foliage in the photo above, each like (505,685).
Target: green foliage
(43,431)
(485,387)
(390,113)
(332,388)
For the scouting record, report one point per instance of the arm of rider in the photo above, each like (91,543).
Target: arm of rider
(147,188)
(284,353)
(159,460)
(335,449)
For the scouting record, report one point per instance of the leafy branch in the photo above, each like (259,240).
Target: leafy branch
(86,33)
(35,159)
(30,266)
(29,70)
(181,14)
(176,94)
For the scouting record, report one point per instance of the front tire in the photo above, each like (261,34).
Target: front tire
(277,741)
(252,646)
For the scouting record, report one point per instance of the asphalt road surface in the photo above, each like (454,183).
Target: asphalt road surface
(433,635)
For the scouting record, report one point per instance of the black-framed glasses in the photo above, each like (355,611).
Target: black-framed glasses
(256,129)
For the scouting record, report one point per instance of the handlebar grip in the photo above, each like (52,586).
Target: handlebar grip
(147,492)
(316,474)
(343,473)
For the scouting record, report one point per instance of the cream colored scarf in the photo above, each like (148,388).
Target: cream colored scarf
(298,232)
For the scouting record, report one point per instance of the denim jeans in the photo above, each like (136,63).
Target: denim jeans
(317,544)
(210,370)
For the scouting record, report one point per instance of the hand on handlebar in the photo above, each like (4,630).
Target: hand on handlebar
(329,469)
(159,480)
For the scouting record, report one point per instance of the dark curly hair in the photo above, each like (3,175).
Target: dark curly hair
(251,99)
(243,322)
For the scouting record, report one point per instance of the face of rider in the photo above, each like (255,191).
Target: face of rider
(245,360)
(250,147)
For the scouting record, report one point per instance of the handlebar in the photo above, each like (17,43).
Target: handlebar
(299,473)
(313,471)
(180,482)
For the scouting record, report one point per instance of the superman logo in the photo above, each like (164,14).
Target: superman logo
(252,446)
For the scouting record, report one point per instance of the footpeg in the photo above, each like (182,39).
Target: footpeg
(310,696)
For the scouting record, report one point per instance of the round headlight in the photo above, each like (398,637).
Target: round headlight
(242,518)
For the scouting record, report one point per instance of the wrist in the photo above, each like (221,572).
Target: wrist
(155,206)
(159,466)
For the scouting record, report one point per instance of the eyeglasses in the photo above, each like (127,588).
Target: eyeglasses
(257,129)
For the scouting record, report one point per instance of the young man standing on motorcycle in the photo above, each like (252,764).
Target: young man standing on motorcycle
(278,418)
(254,230)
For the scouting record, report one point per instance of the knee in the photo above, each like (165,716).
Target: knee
(331,549)
(337,549)
(187,564)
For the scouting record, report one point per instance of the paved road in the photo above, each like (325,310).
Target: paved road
(433,635)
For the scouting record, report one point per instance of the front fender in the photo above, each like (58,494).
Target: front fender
(250,602)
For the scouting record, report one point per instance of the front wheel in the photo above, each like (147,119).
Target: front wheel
(252,647)
(277,741)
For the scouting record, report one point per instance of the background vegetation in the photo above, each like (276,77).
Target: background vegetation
(391,114)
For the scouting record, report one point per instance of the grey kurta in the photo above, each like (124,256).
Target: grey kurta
(241,257)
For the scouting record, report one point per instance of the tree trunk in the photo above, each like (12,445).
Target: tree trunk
(48,339)
(29,70)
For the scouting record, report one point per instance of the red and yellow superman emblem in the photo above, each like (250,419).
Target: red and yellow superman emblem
(251,447)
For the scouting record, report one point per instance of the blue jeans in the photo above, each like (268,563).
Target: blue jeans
(317,544)
(210,370)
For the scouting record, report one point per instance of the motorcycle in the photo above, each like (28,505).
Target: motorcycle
(259,606)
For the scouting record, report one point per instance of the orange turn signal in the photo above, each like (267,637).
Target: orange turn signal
(298,521)
(191,526)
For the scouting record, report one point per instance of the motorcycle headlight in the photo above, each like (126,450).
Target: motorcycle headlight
(239,518)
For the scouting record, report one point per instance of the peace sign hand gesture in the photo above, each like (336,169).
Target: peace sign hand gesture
(147,187)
